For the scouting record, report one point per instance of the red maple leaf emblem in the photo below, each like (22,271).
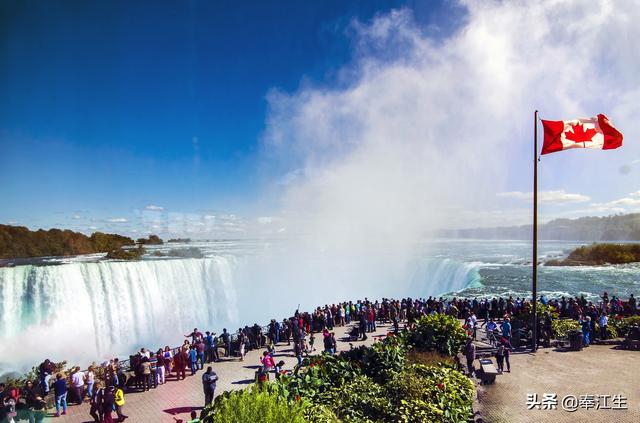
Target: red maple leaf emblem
(579,134)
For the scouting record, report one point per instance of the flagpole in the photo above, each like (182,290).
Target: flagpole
(534,343)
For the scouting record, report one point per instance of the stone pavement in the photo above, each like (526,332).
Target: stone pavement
(596,370)
(175,400)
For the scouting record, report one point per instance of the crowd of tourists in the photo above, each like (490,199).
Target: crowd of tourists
(104,386)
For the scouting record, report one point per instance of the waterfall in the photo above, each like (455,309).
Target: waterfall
(84,311)
(435,276)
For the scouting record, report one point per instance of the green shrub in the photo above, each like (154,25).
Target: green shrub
(622,325)
(437,332)
(358,400)
(317,375)
(256,405)
(381,360)
(422,393)
(561,327)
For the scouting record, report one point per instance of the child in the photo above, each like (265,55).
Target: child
(119,401)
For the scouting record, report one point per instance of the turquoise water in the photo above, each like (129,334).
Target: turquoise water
(504,268)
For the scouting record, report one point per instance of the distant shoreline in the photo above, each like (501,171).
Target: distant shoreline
(600,254)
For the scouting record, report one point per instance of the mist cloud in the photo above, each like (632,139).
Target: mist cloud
(419,125)
(420,133)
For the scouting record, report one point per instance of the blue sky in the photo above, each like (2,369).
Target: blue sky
(123,115)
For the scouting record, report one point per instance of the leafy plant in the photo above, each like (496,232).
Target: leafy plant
(381,360)
(256,405)
(317,375)
(437,332)
(622,324)
(359,400)
(430,393)
(562,327)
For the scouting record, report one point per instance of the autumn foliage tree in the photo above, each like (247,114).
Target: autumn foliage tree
(20,242)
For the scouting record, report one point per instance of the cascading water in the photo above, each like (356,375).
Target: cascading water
(83,311)
(434,276)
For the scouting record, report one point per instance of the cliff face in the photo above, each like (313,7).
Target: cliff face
(610,228)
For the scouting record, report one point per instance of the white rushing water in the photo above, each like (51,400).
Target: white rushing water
(85,311)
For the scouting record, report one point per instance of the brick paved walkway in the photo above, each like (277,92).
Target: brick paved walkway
(176,399)
(597,370)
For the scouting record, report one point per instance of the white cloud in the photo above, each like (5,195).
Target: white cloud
(117,220)
(629,203)
(76,217)
(558,197)
(264,220)
(152,207)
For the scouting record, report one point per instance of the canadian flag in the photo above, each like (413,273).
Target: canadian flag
(595,132)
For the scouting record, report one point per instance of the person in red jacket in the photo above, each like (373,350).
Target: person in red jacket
(179,363)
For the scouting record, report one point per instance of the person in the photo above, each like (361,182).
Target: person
(226,338)
(195,336)
(242,341)
(194,417)
(35,403)
(500,351)
(208,347)
(89,379)
(470,354)
(145,371)
(267,361)
(507,353)
(491,328)
(215,356)
(168,357)
(585,322)
(77,384)
(326,340)
(297,350)
(280,369)
(118,400)
(119,376)
(161,368)
(209,380)
(96,403)
(60,391)
(108,402)
(363,326)
(200,346)
(506,329)
(153,366)
(312,341)
(9,409)
(193,359)
(46,371)
(179,363)
(604,320)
